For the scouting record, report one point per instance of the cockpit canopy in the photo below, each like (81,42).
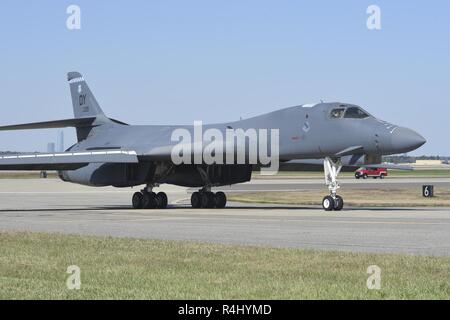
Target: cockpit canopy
(350,112)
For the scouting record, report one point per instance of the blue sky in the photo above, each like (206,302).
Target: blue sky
(158,62)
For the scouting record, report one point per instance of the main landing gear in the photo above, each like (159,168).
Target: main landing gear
(204,198)
(207,199)
(147,199)
(332,167)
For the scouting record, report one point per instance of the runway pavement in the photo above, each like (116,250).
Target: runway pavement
(54,206)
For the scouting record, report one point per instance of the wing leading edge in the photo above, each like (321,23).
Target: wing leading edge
(65,160)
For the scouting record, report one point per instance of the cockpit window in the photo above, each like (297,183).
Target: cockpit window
(337,113)
(355,113)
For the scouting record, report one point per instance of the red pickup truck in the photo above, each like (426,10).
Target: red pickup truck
(372,172)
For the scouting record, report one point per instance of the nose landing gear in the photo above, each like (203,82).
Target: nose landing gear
(329,203)
(332,169)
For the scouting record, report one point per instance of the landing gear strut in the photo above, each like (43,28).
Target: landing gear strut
(332,167)
(207,199)
(147,199)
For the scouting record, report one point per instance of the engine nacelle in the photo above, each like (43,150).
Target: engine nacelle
(108,174)
(218,175)
(127,175)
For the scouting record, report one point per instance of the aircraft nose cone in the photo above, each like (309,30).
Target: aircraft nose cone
(405,140)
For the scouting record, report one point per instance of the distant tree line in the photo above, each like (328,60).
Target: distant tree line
(404,158)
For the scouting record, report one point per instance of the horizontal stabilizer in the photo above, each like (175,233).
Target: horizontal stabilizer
(78,122)
(65,160)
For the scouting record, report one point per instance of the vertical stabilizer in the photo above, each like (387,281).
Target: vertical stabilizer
(83,101)
(84,104)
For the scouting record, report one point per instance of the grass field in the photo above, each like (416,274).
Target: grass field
(387,197)
(33,266)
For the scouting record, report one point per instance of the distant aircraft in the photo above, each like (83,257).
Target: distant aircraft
(112,153)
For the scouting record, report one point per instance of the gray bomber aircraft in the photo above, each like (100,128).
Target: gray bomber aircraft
(112,153)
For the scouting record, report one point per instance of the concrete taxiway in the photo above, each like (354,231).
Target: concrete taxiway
(48,205)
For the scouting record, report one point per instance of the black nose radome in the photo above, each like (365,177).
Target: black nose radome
(405,140)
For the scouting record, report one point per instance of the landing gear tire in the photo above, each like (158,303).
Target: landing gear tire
(137,200)
(328,203)
(149,200)
(338,203)
(208,200)
(161,200)
(382,176)
(196,200)
(364,176)
(220,200)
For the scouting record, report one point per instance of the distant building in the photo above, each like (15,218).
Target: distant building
(51,147)
(60,141)
(428,162)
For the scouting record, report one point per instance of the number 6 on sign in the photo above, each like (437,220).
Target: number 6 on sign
(428,191)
